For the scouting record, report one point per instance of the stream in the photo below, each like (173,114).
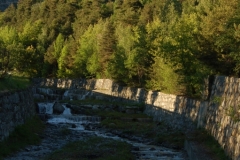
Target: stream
(82,126)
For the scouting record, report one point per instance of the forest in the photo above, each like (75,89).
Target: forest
(165,45)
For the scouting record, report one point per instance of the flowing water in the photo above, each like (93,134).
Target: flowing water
(45,108)
(83,126)
(66,111)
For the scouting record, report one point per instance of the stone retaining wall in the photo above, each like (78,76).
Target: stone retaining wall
(223,114)
(220,115)
(15,108)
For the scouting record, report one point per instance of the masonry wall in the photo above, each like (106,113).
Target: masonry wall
(15,108)
(220,115)
(223,114)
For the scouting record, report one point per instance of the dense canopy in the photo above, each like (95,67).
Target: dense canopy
(165,45)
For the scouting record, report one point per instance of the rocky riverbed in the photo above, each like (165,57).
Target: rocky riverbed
(60,131)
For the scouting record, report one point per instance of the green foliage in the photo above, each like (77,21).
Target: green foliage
(63,67)
(216,39)
(32,50)
(181,43)
(13,82)
(86,59)
(209,143)
(176,139)
(116,65)
(8,45)
(235,53)
(106,47)
(234,113)
(130,62)
(97,45)
(8,16)
(124,40)
(58,46)
(164,78)
(217,100)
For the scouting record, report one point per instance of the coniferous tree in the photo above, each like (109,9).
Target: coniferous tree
(86,50)
(53,54)
(214,17)
(33,48)
(106,46)
(63,68)
(8,17)
(162,74)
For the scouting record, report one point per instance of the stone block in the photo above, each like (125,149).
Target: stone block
(38,96)
(15,108)
(238,138)
(7,107)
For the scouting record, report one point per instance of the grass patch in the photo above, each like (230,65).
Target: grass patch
(65,131)
(174,139)
(117,115)
(87,101)
(129,126)
(134,124)
(211,145)
(94,148)
(90,101)
(23,135)
(13,83)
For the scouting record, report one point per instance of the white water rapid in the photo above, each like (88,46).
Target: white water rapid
(45,108)
(66,111)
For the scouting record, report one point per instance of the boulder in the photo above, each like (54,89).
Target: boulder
(58,108)
(120,108)
(75,109)
(38,96)
(95,107)
(130,111)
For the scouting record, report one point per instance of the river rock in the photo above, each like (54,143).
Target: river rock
(58,108)
(38,96)
(95,107)
(130,111)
